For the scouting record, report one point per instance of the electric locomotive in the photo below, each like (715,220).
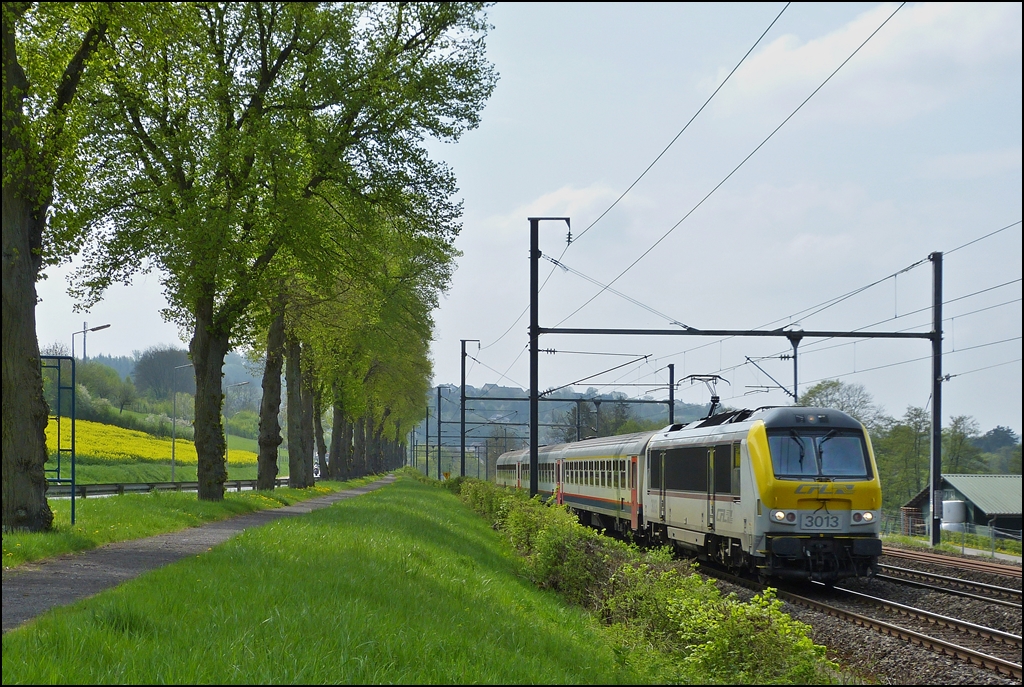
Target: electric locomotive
(783,492)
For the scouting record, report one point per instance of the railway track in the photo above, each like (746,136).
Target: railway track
(952,561)
(979,658)
(979,591)
(936,619)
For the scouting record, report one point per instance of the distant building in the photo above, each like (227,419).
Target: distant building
(993,500)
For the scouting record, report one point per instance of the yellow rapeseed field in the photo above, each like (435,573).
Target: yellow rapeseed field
(107,442)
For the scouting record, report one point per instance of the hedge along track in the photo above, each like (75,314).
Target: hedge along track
(977,658)
(952,561)
(989,593)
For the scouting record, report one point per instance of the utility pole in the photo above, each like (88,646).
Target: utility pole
(462,410)
(439,432)
(794,339)
(579,421)
(936,451)
(672,393)
(534,336)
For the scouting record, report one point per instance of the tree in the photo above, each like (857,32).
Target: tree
(997,438)
(159,372)
(959,454)
(852,399)
(101,381)
(125,395)
(224,120)
(902,450)
(49,51)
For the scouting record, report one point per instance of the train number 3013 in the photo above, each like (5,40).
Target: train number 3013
(811,521)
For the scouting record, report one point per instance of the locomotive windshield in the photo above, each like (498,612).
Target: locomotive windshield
(826,454)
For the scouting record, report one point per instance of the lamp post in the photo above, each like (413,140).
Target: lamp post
(229,386)
(85,330)
(174,411)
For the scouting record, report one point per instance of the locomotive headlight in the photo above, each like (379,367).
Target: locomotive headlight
(862,517)
(779,515)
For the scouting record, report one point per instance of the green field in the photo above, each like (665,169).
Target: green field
(402,585)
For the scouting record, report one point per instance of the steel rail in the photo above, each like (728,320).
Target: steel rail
(977,658)
(952,561)
(1003,596)
(935,618)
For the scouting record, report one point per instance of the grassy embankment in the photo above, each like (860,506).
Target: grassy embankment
(108,454)
(404,584)
(132,516)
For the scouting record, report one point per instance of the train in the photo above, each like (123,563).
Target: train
(785,493)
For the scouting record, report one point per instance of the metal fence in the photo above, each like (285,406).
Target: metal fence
(85,490)
(910,523)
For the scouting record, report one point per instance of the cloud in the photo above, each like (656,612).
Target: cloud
(964,166)
(924,57)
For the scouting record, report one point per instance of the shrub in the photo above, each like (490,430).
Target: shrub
(746,643)
(663,613)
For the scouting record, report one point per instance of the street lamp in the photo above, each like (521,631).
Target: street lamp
(85,329)
(174,411)
(229,386)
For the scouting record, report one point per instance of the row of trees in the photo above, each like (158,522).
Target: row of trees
(268,159)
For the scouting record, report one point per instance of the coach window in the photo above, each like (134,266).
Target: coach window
(736,468)
(686,469)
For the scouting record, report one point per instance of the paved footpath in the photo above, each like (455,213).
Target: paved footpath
(34,588)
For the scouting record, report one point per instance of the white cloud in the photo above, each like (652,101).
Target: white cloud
(964,166)
(925,56)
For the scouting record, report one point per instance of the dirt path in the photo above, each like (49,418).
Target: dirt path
(34,588)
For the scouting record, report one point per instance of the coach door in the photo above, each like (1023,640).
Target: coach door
(658,481)
(711,489)
(558,482)
(631,483)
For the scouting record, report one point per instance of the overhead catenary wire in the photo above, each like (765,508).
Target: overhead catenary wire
(644,173)
(685,127)
(737,167)
(836,299)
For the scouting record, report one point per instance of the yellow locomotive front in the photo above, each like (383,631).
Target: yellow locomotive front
(819,498)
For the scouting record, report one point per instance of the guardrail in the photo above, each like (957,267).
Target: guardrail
(84,490)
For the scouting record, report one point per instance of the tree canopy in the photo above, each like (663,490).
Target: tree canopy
(228,131)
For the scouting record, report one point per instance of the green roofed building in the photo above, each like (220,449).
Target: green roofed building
(993,500)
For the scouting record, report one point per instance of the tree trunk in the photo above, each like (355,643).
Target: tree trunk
(29,164)
(208,348)
(359,448)
(24,408)
(346,450)
(337,465)
(307,424)
(377,456)
(293,380)
(270,407)
(318,434)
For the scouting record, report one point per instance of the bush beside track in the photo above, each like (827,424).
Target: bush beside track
(668,619)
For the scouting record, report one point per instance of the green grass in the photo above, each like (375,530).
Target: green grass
(950,543)
(132,516)
(402,585)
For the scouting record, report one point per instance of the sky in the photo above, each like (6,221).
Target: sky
(912,147)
